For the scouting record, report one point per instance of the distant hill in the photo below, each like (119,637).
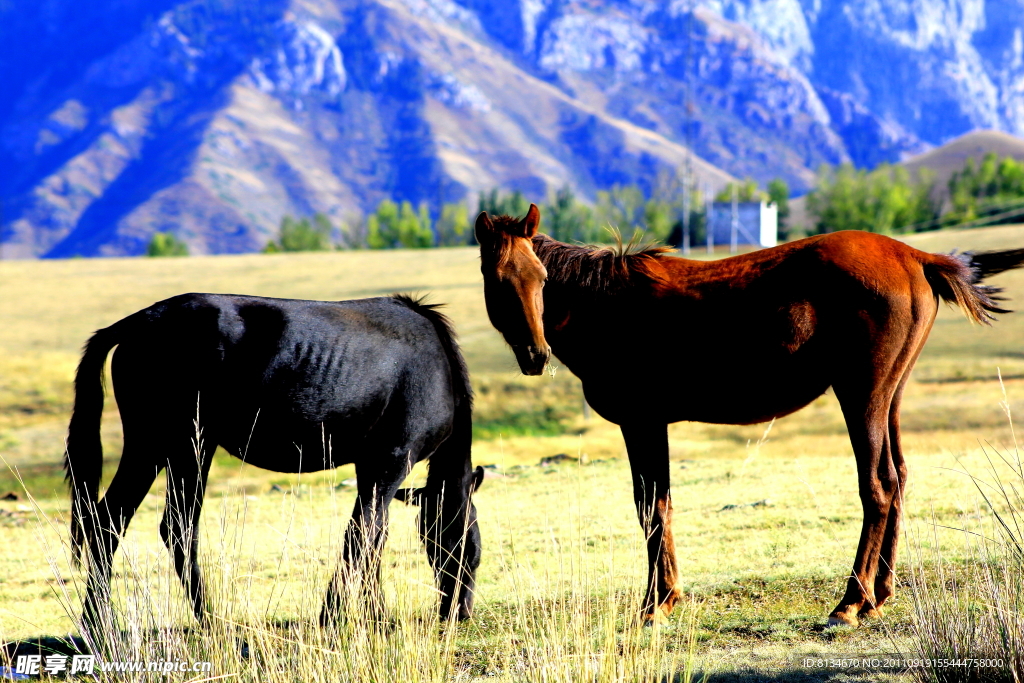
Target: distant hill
(946,160)
(942,162)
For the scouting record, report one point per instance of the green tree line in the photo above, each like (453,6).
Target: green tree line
(623,208)
(986,189)
(889,199)
(885,200)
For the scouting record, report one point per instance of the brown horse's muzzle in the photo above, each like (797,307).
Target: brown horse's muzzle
(532,359)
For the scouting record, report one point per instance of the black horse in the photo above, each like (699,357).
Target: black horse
(289,386)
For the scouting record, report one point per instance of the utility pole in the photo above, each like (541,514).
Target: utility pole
(708,228)
(686,219)
(687,107)
(734,232)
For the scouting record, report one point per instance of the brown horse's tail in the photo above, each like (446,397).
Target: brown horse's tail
(957,279)
(83,458)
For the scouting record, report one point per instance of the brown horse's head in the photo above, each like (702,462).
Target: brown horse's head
(513,285)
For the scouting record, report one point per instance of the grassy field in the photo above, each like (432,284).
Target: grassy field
(563,558)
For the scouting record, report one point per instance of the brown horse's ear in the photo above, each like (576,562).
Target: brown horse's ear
(409,496)
(484,227)
(478,478)
(529,225)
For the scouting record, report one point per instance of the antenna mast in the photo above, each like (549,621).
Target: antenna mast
(688,183)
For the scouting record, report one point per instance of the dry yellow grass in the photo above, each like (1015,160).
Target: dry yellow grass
(765,575)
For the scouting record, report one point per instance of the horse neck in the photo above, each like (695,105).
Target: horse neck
(577,274)
(571,295)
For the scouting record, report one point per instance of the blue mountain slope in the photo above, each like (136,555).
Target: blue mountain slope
(213,118)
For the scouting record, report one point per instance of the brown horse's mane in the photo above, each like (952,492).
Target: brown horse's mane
(595,269)
(600,269)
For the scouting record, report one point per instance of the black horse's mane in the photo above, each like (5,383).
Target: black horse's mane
(446,333)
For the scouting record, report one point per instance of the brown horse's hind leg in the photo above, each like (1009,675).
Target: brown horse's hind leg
(871,405)
(867,404)
(877,480)
(647,446)
(887,555)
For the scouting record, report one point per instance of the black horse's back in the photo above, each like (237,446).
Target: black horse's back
(287,385)
(292,385)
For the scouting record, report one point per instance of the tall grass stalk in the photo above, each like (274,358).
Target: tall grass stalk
(973,608)
(570,618)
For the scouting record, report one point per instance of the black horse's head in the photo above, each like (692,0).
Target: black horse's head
(448,528)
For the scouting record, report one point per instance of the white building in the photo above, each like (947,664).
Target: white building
(744,223)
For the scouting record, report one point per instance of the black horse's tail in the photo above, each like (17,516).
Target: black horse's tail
(83,459)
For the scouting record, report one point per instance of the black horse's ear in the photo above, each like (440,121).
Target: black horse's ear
(484,227)
(531,222)
(409,496)
(478,478)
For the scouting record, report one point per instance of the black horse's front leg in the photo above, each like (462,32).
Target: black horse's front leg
(179,528)
(647,445)
(360,569)
(364,541)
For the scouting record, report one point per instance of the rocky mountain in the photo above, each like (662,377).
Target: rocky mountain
(212,119)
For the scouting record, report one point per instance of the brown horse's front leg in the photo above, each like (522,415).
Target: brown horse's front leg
(647,445)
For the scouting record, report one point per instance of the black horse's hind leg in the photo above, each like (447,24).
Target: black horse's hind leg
(366,535)
(186,487)
(107,523)
(647,446)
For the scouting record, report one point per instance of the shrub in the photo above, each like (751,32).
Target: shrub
(778,194)
(393,226)
(568,220)
(884,200)
(975,610)
(747,191)
(166,244)
(986,189)
(620,207)
(453,226)
(494,204)
(303,235)
(625,208)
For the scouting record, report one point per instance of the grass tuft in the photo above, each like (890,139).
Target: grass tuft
(972,612)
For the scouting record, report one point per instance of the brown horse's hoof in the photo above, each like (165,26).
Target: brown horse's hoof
(658,616)
(660,613)
(842,619)
(669,603)
(870,613)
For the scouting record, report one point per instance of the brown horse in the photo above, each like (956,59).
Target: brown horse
(768,332)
